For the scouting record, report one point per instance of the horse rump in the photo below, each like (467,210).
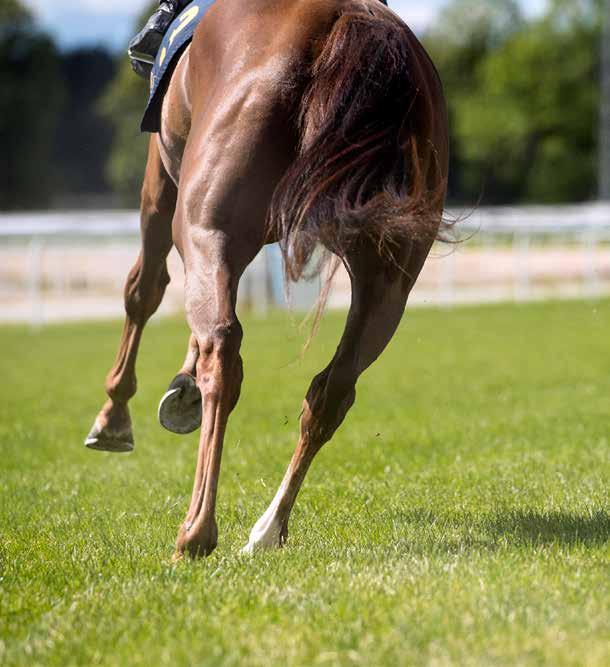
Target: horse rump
(372,158)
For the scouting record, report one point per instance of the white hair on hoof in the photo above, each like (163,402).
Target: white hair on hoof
(267,531)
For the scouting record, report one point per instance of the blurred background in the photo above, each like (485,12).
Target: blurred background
(528,87)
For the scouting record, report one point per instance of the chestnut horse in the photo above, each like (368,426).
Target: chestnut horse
(308,122)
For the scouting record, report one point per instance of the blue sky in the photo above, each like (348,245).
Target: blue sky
(111,22)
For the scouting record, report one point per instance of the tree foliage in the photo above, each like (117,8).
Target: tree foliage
(84,136)
(123,105)
(30,100)
(523,99)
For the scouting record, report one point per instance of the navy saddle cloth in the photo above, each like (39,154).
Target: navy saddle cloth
(176,38)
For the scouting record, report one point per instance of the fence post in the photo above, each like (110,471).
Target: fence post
(35,252)
(522,279)
(447,279)
(591,277)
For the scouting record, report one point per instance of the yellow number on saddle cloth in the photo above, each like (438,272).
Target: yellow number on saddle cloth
(185,18)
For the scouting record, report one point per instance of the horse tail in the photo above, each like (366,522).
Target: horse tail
(372,159)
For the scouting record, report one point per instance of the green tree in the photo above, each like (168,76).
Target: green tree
(11,12)
(30,101)
(84,136)
(464,36)
(523,112)
(124,104)
(467,31)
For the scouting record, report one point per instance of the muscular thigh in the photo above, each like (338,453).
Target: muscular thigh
(234,158)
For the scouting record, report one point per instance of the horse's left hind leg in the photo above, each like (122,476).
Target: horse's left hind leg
(379,296)
(144,291)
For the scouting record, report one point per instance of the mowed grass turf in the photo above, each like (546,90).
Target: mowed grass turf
(459,516)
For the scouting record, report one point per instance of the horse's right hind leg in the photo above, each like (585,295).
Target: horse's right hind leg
(144,291)
(379,295)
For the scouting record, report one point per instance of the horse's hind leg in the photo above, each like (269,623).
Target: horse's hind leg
(379,295)
(144,291)
(213,265)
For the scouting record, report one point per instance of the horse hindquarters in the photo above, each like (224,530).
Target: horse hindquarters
(374,145)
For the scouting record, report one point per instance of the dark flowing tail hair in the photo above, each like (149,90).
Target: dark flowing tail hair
(372,159)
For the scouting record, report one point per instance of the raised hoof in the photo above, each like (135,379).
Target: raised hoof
(180,407)
(104,440)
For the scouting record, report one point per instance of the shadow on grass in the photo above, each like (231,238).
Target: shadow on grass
(558,527)
(455,532)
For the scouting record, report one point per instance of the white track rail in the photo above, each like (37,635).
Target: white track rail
(71,265)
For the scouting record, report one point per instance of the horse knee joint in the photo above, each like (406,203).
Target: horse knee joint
(223,339)
(331,394)
(219,365)
(341,380)
(134,304)
(336,383)
(227,337)
(143,293)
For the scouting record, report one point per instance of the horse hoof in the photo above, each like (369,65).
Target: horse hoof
(248,550)
(256,547)
(103,439)
(180,407)
(177,557)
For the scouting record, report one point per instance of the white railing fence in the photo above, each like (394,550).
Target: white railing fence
(72,265)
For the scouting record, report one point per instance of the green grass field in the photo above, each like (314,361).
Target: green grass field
(460,515)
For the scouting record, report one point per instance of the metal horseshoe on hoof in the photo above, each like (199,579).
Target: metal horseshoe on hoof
(180,407)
